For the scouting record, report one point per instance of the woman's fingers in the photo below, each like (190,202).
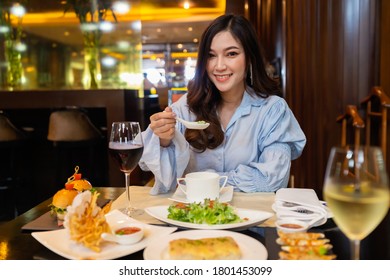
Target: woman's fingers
(163,124)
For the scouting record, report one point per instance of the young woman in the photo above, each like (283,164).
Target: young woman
(253,135)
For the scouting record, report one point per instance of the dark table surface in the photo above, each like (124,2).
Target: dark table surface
(18,244)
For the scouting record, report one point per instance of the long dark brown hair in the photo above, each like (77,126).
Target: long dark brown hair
(203,97)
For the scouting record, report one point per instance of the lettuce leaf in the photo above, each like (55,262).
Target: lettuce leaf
(210,212)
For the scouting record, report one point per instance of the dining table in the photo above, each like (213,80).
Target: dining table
(18,243)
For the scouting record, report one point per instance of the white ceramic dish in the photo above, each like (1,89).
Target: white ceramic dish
(251,249)
(59,242)
(291,225)
(253,218)
(226,195)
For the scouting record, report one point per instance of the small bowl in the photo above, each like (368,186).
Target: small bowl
(291,225)
(125,234)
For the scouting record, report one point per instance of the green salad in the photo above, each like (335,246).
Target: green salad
(210,212)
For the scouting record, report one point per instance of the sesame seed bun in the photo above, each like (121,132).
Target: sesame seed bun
(62,199)
(81,185)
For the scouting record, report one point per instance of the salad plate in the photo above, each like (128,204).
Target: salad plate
(226,195)
(249,218)
(251,249)
(59,241)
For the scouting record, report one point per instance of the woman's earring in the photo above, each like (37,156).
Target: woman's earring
(250,74)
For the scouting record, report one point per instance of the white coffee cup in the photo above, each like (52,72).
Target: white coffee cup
(198,186)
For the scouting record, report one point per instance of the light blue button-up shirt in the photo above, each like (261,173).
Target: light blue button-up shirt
(261,139)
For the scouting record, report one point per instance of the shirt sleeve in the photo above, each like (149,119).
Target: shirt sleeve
(166,163)
(269,174)
(279,141)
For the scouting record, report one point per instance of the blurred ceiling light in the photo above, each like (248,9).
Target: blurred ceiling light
(106,26)
(158,30)
(190,28)
(108,61)
(4,29)
(136,25)
(121,7)
(21,47)
(186,5)
(88,26)
(123,45)
(177,61)
(18,10)
(195,40)
(180,46)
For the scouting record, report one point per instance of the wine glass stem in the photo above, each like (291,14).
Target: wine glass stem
(127,182)
(355,249)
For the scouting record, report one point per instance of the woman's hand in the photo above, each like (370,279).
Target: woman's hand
(163,125)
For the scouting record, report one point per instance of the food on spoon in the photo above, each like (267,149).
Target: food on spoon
(86,221)
(215,248)
(210,212)
(61,200)
(201,122)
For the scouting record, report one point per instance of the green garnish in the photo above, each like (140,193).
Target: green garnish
(210,212)
(322,251)
(201,122)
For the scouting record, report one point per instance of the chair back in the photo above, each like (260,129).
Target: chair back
(351,116)
(8,131)
(71,125)
(376,104)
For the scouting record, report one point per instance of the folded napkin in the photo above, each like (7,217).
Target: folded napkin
(300,204)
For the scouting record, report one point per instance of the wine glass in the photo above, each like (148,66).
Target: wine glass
(126,148)
(356,191)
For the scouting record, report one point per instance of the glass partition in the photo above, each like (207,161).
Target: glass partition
(93,44)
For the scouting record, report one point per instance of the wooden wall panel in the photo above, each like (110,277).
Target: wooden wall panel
(385,46)
(329,51)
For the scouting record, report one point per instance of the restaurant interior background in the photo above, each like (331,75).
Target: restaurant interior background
(326,54)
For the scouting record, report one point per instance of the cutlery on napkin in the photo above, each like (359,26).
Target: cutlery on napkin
(300,204)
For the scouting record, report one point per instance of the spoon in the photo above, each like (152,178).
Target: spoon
(193,125)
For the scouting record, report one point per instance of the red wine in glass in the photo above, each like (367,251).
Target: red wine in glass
(126,156)
(126,148)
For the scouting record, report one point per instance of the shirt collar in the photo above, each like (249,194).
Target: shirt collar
(248,101)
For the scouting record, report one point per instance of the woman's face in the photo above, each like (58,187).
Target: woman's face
(226,64)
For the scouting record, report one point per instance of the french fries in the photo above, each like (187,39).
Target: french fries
(87,221)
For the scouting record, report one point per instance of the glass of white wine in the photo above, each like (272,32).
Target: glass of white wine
(356,191)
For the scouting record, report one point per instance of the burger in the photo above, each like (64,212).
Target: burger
(79,185)
(61,200)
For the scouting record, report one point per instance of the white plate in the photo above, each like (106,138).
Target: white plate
(251,249)
(226,195)
(253,217)
(59,242)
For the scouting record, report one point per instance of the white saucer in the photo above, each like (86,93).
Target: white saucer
(226,195)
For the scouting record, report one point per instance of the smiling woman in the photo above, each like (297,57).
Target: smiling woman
(232,91)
